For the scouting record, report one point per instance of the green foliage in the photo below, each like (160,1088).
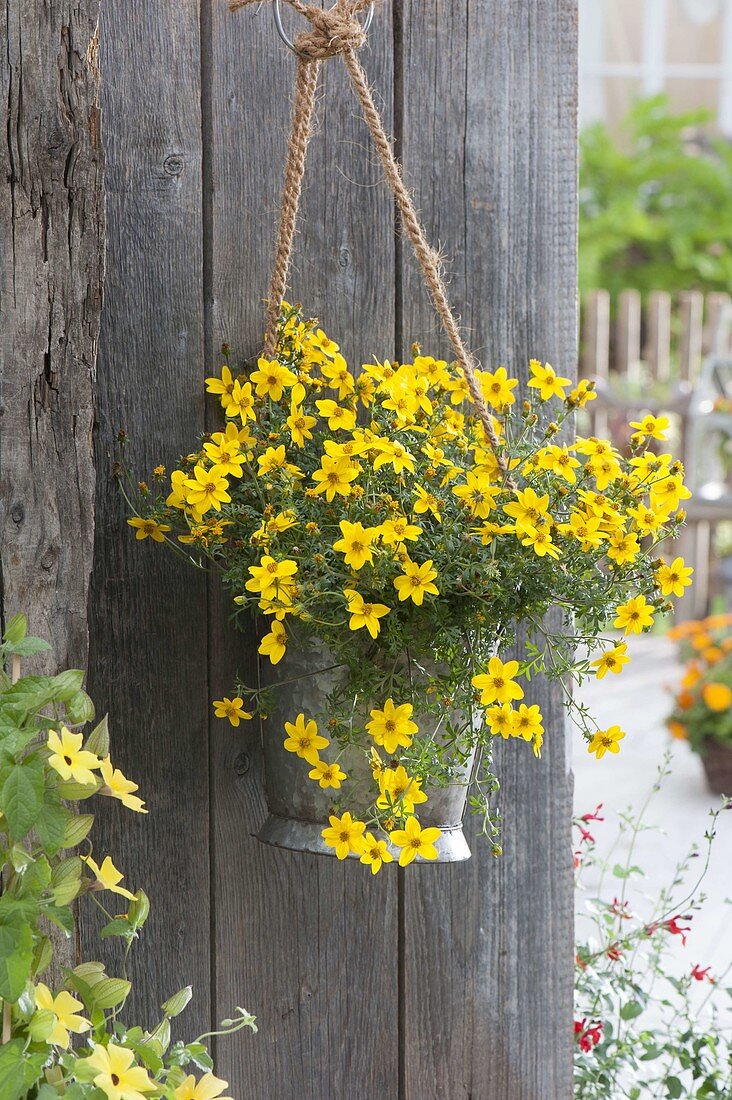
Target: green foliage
(648,1022)
(656,207)
(47,869)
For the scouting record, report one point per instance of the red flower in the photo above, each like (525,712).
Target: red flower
(677,929)
(621,910)
(587,1037)
(595,816)
(614,952)
(702,975)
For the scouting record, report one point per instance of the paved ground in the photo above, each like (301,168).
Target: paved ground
(638,701)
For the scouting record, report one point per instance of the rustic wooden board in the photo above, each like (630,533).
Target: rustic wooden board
(307,944)
(52,225)
(148,610)
(489,135)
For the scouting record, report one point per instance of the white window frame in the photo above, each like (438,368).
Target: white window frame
(653,71)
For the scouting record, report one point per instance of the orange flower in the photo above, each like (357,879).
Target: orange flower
(692,675)
(701,641)
(718,697)
(726,645)
(712,654)
(684,630)
(684,700)
(677,730)
(714,622)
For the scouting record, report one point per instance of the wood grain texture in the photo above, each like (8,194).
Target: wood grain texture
(148,610)
(488,137)
(307,944)
(52,225)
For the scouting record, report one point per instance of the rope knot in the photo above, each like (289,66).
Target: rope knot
(333,31)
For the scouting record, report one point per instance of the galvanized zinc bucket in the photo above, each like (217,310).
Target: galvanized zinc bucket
(298,807)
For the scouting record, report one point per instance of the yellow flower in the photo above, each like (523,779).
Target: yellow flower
(415,841)
(338,376)
(500,719)
(64,1008)
(634,616)
(271,378)
(233,709)
(226,455)
(273,645)
(416,581)
(208,1088)
(339,417)
(613,660)
(545,379)
(395,531)
(304,740)
(363,613)
(389,451)
(477,493)
(69,759)
(356,543)
(177,495)
(541,543)
(392,726)
(496,388)
(623,548)
(335,476)
(149,528)
(582,393)
(527,723)
(497,685)
(270,575)
(718,697)
(327,775)
(560,462)
(222,386)
(116,785)
(207,489)
(345,835)
(116,1075)
(529,511)
(375,853)
(674,578)
(300,424)
(241,402)
(399,790)
(650,427)
(426,502)
(107,876)
(606,741)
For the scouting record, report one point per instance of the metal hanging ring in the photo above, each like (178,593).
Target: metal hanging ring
(285,36)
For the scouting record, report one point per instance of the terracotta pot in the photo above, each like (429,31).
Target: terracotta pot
(298,807)
(717,761)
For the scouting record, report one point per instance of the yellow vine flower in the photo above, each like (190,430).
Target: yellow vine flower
(65,1010)
(116,1074)
(208,1088)
(107,876)
(116,785)
(69,759)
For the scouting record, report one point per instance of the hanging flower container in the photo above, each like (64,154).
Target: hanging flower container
(388,529)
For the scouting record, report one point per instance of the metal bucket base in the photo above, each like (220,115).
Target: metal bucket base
(304,836)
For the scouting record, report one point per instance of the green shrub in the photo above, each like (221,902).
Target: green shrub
(655,207)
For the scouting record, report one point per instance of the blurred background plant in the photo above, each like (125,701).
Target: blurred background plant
(655,203)
(651,1021)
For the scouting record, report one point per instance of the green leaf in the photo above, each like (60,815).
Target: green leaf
(16,957)
(14,738)
(76,792)
(28,695)
(16,629)
(631,1010)
(77,827)
(66,880)
(61,916)
(21,797)
(42,955)
(120,926)
(28,647)
(98,740)
(67,684)
(51,823)
(18,1070)
(35,879)
(674,1088)
(80,709)
(110,992)
(138,910)
(175,1004)
(41,1025)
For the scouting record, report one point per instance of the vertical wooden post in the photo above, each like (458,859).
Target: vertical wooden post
(658,338)
(596,350)
(488,130)
(691,310)
(628,340)
(52,225)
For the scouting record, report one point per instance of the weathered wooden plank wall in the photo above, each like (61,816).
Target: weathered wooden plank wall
(452,982)
(148,612)
(52,230)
